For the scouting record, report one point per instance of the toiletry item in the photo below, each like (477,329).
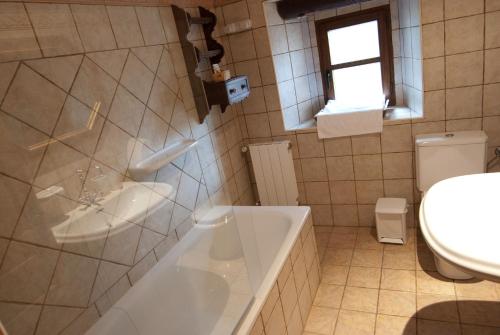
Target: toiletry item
(217,74)
(238,27)
(226,74)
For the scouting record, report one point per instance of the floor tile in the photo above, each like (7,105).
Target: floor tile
(397,303)
(434,283)
(364,277)
(474,288)
(355,323)
(329,296)
(360,299)
(321,320)
(428,327)
(395,325)
(338,257)
(335,274)
(401,260)
(366,257)
(437,307)
(399,280)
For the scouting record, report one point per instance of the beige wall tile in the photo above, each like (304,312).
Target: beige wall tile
(465,69)
(73,280)
(16,139)
(314,169)
(267,73)
(112,138)
(491,100)
(492,28)
(151,26)
(465,102)
(434,73)
(491,66)
(434,105)
(18,39)
(492,5)
(458,8)
(125,26)
(343,192)
(366,144)
(12,196)
(55,29)
(242,46)
(340,168)
(399,188)
(432,10)
(59,70)
(338,146)
(345,215)
(26,273)
(93,27)
(367,167)
(29,90)
(398,165)
(464,124)
(137,78)
(464,34)
(310,145)
(433,40)
(317,193)
(258,125)
(369,191)
(396,138)
(20,318)
(92,86)
(322,215)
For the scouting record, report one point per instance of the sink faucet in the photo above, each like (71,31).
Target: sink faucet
(89,198)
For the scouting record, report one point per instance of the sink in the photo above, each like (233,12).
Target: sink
(116,212)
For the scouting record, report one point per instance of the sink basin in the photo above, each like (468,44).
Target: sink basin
(115,213)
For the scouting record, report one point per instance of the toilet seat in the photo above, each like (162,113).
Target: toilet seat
(460,221)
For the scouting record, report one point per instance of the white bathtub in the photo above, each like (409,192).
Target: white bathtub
(214,281)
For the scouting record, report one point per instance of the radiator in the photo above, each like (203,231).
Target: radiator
(274,172)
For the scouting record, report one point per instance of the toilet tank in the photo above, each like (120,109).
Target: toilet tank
(445,155)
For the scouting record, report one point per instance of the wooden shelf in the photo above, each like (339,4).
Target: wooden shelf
(207,94)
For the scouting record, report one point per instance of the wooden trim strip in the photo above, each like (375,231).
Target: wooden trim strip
(356,63)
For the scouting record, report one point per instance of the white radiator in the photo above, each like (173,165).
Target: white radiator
(273,168)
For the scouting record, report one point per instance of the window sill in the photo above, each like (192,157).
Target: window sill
(392,116)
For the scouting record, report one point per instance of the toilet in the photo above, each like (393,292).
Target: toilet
(442,156)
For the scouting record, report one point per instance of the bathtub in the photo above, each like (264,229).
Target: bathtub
(216,279)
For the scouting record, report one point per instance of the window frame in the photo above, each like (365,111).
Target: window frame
(383,16)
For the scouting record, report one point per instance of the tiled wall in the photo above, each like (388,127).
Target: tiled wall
(409,55)
(296,63)
(287,306)
(87,91)
(295,54)
(341,179)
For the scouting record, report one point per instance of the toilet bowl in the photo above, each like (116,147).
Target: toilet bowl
(439,157)
(460,224)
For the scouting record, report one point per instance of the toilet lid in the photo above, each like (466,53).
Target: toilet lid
(460,220)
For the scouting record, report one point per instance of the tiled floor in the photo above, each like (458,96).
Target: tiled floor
(371,288)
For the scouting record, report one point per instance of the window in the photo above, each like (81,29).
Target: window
(356,55)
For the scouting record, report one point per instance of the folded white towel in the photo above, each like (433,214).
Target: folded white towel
(339,119)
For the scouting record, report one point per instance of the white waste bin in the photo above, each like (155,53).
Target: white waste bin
(390,215)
